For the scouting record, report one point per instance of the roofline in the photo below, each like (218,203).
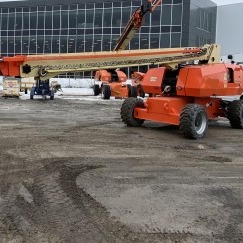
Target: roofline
(34,3)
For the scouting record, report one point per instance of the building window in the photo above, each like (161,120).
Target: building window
(204,20)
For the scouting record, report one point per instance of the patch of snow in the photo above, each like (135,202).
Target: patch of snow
(76,91)
(74,82)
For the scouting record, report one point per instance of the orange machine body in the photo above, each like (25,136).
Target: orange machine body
(168,109)
(119,90)
(116,80)
(171,90)
(11,66)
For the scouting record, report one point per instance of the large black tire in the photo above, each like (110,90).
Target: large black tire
(235,114)
(106,92)
(132,91)
(127,111)
(193,121)
(96,89)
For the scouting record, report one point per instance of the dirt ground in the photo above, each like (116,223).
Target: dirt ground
(71,171)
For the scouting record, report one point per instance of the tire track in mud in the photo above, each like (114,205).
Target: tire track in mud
(14,227)
(200,152)
(51,208)
(54,212)
(232,203)
(60,212)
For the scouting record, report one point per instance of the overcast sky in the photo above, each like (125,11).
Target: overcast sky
(222,2)
(219,2)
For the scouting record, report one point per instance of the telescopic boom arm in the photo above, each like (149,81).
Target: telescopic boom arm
(43,67)
(135,23)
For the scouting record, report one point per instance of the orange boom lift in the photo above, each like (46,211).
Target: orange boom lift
(113,82)
(189,95)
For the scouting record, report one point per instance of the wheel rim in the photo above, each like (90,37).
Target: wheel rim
(200,122)
(102,93)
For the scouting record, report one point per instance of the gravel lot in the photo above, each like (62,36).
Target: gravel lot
(71,171)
